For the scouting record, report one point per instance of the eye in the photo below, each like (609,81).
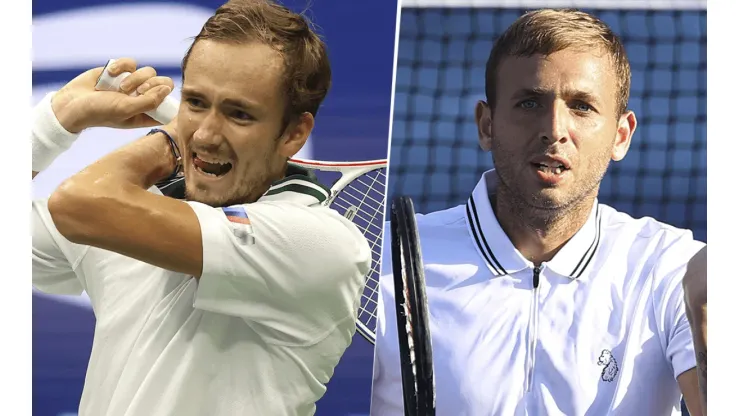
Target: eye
(582,107)
(195,102)
(241,115)
(528,104)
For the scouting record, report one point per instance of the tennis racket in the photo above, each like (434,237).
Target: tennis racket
(357,193)
(414,338)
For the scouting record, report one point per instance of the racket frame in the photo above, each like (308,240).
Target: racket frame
(415,345)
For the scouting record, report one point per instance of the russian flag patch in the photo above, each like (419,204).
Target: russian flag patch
(236,214)
(240,224)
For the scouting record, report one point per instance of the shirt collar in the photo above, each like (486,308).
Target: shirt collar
(500,254)
(299,186)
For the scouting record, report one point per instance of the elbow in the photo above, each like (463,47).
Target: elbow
(72,208)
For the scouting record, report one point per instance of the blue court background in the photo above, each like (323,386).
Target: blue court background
(352,125)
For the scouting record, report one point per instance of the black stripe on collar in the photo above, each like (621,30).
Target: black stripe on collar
(480,238)
(591,252)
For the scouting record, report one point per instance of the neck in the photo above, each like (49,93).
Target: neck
(539,233)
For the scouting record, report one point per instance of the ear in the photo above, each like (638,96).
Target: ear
(295,136)
(625,130)
(483,119)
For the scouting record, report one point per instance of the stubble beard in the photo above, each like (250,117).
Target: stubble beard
(536,209)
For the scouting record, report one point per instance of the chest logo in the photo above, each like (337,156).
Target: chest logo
(609,373)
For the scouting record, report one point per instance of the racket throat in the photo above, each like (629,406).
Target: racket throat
(533,329)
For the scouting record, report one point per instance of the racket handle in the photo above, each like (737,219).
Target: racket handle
(163,114)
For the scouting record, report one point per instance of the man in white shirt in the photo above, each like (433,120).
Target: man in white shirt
(239,299)
(543,301)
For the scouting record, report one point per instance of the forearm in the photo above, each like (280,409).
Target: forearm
(92,199)
(695,301)
(697,315)
(140,164)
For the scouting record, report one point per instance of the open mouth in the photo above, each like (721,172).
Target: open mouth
(211,167)
(557,169)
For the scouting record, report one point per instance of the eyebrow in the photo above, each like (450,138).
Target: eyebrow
(580,95)
(232,102)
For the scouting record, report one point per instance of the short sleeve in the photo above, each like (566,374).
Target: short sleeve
(54,258)
(294,271)
(386,396)
(668,297)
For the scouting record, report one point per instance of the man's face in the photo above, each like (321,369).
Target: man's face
(231,122)
(553,127)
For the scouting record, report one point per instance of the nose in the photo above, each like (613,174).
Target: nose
(209,131)
(555,123)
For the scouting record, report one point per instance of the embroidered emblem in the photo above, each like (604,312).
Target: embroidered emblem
(609,373)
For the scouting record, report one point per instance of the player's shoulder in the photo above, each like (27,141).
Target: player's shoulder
(316,218)
(667,243)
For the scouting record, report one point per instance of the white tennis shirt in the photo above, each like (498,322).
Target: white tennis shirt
(259,334)
(604,332)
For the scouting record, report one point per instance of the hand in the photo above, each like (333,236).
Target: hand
(78,105)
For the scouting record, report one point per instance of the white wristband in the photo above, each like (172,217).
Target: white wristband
(48,138)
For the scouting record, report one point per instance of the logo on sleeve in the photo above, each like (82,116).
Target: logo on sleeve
(609,373)
(240,224)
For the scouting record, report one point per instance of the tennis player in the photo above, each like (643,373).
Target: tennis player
(240,299)
(543,301)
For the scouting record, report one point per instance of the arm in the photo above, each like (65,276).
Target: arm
(695,298)
(688,382)
(61,116)
(107,205)
(674,328)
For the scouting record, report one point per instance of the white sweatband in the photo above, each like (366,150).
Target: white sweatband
(48,138)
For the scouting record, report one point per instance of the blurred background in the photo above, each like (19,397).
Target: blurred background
(71,36)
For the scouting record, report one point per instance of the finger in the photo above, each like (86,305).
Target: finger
(138,77)
(145,102)
(143,120)
(122,65)
(155,82)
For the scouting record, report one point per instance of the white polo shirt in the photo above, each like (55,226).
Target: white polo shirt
(259,334)
(603,332)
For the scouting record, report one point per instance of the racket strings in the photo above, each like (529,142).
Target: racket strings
(368,211)
(364,198)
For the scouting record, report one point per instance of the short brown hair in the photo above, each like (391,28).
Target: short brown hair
(548,31)
(307,73)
